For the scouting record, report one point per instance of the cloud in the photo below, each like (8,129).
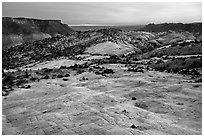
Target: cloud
(107,13)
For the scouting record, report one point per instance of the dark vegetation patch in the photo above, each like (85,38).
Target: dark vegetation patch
(20,78)
(183,57)
(98,70)
(188,66)
(137,68)
(133,98)
(65,79)
(46,77)
(133,126)
(198,80)
(163,27)
(184,48)
(179,103)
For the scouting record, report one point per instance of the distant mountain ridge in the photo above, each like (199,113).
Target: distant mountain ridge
(195,28)
(18,30)
(124,27)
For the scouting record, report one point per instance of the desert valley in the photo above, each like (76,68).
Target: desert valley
(144,80)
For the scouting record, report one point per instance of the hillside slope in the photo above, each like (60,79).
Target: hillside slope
(106,81)
(194,28)
(19,30)
(110,48)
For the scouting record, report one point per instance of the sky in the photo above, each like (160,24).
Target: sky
(107,13)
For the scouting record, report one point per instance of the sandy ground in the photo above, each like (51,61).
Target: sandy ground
(123,103)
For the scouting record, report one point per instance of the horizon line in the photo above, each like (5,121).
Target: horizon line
(87,24)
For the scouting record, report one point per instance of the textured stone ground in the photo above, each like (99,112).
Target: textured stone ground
(124,103)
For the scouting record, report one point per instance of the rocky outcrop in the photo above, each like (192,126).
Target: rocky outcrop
(19,30)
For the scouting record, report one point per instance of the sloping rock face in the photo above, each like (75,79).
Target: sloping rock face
(110,48)
(19,30)
(125,103)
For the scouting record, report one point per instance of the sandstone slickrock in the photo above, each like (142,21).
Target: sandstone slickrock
(102,82)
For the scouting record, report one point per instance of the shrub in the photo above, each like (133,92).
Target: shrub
(80,71)
(133,126)
(198,80)
(59,76)
(141,105)
(63,67)
(183,63)
(33,79)
(133,98)
(140,70)
(46,77)
(67,75)
(83,78)
(65,79)
(48,70)
(108,71)
(27,86)
(8,80)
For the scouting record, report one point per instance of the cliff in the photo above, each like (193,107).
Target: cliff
(18,30)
